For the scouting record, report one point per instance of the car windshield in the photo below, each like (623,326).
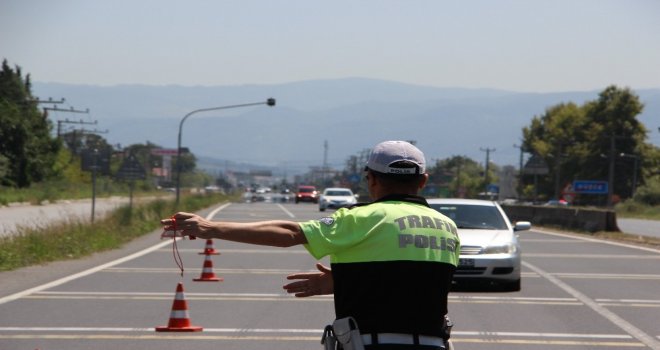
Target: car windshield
(306,190)
(473,216)
(338,193)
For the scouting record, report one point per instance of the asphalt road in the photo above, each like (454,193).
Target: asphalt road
(577,293)
(641,227)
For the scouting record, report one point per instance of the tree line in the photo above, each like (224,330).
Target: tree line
(30,154)
(598,140)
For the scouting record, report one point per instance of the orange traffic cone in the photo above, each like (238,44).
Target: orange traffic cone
(207,272)
(179,318)
(208,248)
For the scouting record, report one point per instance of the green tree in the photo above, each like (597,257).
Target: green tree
(460,176)
(26,144)
(615,130)
(578,142)
(558,136)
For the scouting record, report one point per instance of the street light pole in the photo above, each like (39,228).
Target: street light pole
(269,102)
(634,178)
(520,171)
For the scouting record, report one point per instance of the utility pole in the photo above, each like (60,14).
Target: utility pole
(635,166)
(325,161)
(84,131)
(558,159)
(612,161)
(458,178)
(487,150)
(610,185)
(49,100)
(67,121)
(520,171)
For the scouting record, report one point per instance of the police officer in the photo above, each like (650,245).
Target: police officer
(392,259)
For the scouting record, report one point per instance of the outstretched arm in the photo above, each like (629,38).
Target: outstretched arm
(311,283)
(277,233)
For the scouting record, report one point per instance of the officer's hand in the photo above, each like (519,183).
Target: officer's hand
(312,283)
(188,224)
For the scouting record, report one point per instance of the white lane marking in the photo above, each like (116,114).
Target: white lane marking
(612,317)
(73,295)
(138,329)
(82,274)
(237,334)
(592,256)
(289,271)
(286,211)
(248,251)
(270,295)
(188,294)
(216,210)
(548,240)
(220,270)
(635,301)
(543,335)
(606,276)
(312,331)
(595,240)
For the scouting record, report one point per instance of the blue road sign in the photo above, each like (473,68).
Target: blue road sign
(354,178)
(493,188)
(590,187)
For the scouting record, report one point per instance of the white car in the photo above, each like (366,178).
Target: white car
(489,243)
(336,197)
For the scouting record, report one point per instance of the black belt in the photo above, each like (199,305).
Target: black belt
(401,338)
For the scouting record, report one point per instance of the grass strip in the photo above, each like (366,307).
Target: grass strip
(76,239)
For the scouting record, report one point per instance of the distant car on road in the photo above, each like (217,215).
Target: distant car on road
(336,197)
(489,243)
(307,194)
(262,190)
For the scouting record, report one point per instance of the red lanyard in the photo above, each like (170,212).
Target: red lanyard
(175,248)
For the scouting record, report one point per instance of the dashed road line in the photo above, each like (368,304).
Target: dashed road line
(458,299)
(245,334)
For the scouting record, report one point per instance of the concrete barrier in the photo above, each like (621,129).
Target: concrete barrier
(591,220)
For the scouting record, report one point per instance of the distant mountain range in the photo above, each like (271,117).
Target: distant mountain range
(350,114)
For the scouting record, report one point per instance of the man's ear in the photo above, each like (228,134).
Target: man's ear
(372,180)
(424,180)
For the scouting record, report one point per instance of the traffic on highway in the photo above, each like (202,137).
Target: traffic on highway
(576,293)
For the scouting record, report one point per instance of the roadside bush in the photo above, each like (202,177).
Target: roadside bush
(649,194)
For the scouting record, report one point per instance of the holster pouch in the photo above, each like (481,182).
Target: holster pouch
(446,329)
(329,340)
(347,333)
(446,332)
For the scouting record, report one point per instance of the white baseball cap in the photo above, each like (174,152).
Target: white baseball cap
(385,156)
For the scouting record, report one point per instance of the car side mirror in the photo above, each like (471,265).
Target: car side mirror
(522,226)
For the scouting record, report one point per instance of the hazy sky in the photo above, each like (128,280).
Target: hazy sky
(525,45)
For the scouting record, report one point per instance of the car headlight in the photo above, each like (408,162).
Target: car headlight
(508,248)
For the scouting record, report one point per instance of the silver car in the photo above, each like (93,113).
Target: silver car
(489,243)
(336,197)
